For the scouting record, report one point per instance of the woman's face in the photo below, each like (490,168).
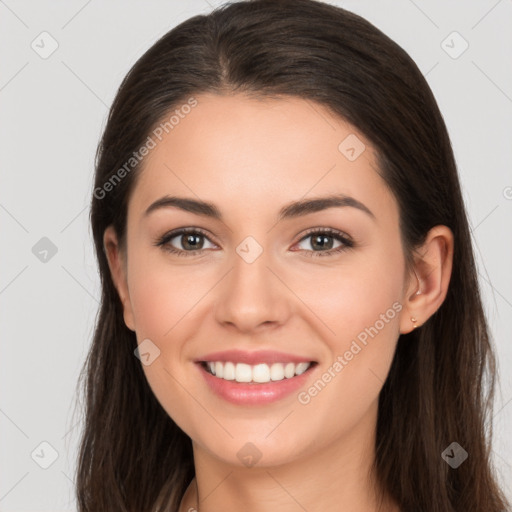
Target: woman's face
(265,277)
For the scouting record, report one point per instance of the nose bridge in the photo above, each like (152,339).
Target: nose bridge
(250,278)
(251,266)
(251,294)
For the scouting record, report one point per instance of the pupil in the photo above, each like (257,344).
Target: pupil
(190,241)
(322,243)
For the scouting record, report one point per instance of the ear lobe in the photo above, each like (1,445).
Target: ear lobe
(433,272)
(118,272)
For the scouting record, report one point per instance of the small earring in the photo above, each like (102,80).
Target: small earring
(413,320)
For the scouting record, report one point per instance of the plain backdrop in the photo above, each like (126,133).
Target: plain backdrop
(53,109)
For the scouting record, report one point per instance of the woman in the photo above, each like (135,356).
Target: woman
(290,314)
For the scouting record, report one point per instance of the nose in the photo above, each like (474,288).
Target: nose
(253,295)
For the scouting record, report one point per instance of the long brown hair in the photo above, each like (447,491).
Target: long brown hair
(132,456)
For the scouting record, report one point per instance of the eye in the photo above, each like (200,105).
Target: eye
(320,241)
(192,242)
(191,239)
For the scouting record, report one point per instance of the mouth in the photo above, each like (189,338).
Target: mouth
(261,373)
(259,384)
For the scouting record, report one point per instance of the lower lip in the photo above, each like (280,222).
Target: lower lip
(241,393)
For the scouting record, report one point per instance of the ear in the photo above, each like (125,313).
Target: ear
(433,270)
(117,264)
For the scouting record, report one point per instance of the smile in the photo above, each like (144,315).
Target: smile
(259,384)
(258,373)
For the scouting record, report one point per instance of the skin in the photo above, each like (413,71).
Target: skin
(251,157)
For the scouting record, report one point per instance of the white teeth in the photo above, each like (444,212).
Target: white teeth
(301,368)
(289,370)
(277,371)
(260,373)
(243,372)
(229,371)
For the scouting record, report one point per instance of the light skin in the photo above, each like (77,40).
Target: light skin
(250,158)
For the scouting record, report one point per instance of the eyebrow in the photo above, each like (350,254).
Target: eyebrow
(289,211)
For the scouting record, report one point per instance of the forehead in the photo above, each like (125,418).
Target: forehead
(257,154)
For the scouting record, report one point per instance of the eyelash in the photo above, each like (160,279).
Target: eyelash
(346,243)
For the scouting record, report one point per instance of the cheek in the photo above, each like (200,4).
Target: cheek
(162,300)
(359,305)
(161,295)
(350,298)
(360,353)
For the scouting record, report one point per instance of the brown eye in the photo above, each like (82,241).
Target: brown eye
(322,241)
(191,241)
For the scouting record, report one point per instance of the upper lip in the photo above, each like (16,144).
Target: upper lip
(252,358)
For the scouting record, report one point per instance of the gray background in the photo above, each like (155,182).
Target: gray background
(52,113)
